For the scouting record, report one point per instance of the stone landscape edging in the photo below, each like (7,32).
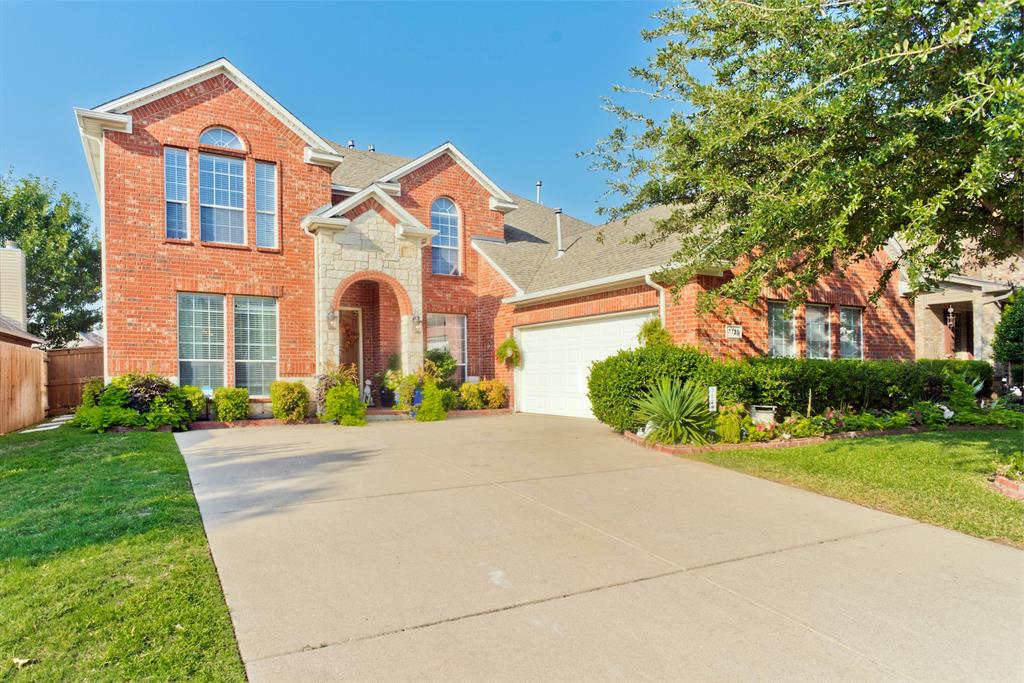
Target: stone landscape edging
(787,443)
(1008,487)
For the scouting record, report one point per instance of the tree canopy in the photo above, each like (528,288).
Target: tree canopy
(805,136)
(62,257)
(1008,343)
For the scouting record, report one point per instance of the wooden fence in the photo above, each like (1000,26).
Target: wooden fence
(69,370)
(22,386)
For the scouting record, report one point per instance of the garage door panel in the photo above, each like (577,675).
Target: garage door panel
(557,358)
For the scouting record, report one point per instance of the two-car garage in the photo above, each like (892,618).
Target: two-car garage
(556,359)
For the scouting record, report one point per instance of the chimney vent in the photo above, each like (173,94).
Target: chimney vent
(351,143)
(558,232)
(539,184)
(372,148)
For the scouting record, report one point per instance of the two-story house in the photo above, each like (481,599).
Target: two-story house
(240,247)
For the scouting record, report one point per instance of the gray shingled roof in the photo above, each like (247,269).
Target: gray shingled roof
(528,254)
(11,327)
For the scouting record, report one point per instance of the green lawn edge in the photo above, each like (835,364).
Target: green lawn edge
(106,569)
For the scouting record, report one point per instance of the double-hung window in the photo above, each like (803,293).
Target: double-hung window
(201,340)
(781,331)
(819,332)
(175,193)
(221,199)
(266,204)
(851,333)
(448,331)
(255,343)
(444,247)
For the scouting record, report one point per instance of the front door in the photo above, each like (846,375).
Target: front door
(351,329)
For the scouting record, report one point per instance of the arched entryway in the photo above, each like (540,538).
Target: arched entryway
(373,319)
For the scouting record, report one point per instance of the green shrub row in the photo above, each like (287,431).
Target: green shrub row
(289,401)
(792,384)
(137,400)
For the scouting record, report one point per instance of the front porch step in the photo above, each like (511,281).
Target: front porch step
(385,415)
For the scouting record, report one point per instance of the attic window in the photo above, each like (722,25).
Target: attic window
(221,137)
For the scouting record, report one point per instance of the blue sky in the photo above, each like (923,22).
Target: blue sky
(517,87)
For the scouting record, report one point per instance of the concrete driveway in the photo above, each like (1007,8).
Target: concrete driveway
(539,548)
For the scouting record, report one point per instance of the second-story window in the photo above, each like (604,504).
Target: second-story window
(266,204)
(221,137)
(221,199)
(176,193)
(444,248)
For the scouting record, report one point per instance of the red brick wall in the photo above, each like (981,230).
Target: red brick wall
(144,271)
(457,294)
(381,324)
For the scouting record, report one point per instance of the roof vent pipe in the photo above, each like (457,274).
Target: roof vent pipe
(539,184)
(351,144)
(558,232)
(372,148)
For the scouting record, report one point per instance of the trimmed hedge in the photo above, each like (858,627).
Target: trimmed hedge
(342,405)
(617,382)
(232,403)
(289,401)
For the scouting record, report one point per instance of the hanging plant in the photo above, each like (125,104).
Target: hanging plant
(508,352)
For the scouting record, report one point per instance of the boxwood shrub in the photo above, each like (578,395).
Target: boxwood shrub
(616,383)
(231,403)
(289,400)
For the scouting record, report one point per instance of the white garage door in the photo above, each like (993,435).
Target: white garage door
(556,360)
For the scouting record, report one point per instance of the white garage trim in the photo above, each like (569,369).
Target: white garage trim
(586,340)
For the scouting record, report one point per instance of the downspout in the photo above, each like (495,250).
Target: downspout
(661,297)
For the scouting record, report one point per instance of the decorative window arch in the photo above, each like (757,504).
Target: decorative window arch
(444,252)
(221,137)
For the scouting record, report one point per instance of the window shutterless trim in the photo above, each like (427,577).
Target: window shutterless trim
(277,340)
(860,331)
(458,237)
(465,340)
(184,203)
(771,332)
(224,331)
(245,198)
(828,330)
(274,203)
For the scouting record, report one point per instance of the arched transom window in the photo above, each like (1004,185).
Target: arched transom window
(444,217)
(221,137)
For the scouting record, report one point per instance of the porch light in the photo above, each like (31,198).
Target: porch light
(332,315)
(950,318)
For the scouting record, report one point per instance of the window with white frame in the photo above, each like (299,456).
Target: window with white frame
(255,343)
(819,331)
(266,204)
(781,331)
(176,193)
(444,247)
(448,331)
(201,340)
(221,199)
(851,333)
(221,137)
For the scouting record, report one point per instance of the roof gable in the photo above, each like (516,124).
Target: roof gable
(500,200)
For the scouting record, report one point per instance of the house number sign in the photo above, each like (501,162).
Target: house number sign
(734,331)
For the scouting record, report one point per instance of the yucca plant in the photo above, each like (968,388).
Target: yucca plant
(678,414)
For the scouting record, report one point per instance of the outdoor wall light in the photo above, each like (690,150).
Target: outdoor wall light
(950,318)
(332,315)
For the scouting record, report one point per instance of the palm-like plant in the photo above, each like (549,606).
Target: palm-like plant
(679,414)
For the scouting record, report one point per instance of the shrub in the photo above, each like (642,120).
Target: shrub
(432,409)
(508,352)
(1008,343)
(469,396)
(334,375)
(440,365)
(729,423)
(652,332)
(142,388)
(449,399)
(114,396)
(91,392)
(406,388)
(168,410)
(289,401)
(195,401)
(342,405)
(231,403)
(100,418)
(678,413)
(493,393)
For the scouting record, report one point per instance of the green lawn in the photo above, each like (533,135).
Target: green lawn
(936,477)
(105,573)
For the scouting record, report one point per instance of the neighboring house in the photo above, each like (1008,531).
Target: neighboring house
(13,301)
(239,246)
(958,319)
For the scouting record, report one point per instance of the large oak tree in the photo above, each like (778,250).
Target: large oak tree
(807,135)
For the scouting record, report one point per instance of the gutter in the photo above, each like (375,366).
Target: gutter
(661,297)
(581,287)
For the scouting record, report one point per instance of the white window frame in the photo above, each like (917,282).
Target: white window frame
(771,329)
(277,340)
(860,331)
(241,143)
(224,332)
(185,202)
(828,330)
(274,203)
(245,199)
(465,342)
(458,241)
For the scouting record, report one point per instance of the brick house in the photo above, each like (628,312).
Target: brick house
(240,247)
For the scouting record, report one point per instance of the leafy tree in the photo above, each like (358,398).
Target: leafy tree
(62,257)
(824,130)
(1008,344)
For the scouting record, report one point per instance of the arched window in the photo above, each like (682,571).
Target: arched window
(444,252)
(221,137)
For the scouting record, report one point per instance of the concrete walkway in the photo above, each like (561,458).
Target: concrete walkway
(539,548)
